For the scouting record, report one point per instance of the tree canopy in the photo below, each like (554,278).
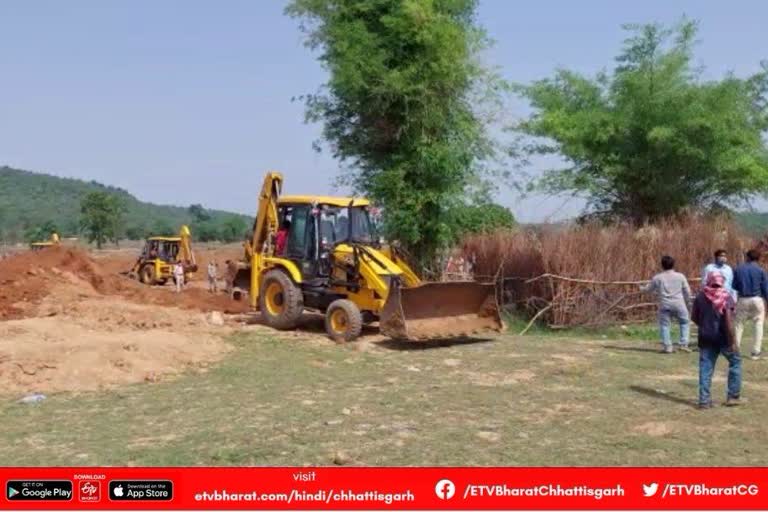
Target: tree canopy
(652,138)
(399,109)
(42,232)
(100,217)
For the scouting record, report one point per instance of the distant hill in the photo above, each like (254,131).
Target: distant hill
(29,200)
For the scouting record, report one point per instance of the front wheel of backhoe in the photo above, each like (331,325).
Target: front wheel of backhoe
(280,300)
(147,275)
(343,320)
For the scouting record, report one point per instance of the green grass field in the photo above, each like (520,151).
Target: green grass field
(606,399)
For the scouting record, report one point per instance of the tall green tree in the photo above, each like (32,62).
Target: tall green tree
(199,214)
(100,215)
(233,229)
(652,138)
(482,218)
(206,231)
(42,232)
(401,107)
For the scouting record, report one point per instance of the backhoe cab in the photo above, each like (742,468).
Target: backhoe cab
(323,254)
(160,253)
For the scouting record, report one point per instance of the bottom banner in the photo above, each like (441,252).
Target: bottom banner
(446,488)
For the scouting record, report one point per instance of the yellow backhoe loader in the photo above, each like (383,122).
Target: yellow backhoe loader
(54,240)
(321,253)
(160,253)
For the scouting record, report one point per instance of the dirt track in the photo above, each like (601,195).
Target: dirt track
(71,322)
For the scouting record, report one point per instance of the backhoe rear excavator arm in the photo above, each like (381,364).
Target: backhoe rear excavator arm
(186,254)
(266,221)
(246,275)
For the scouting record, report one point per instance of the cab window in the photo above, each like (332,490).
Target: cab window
(297,236)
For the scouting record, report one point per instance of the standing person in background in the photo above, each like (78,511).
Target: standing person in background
(720,264)
(212,285)
(751,285)
(178,276)
(673,294)
(713,312)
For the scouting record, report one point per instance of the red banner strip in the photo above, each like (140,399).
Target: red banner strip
(384,488)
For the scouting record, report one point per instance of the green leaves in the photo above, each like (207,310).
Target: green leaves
(652,139)
(100,217)
(397,110)
(41,233)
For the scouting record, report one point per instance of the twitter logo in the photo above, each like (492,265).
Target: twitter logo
(650,490)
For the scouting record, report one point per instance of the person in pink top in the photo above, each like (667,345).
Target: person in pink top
(282,238)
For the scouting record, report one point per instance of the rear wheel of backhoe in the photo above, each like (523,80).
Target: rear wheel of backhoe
(343,320)
(147,274)
(280,300)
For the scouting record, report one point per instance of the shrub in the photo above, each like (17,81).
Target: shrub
(618,254)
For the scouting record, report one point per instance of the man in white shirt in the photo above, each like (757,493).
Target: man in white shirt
(720,265)
(178,276)
(212,285)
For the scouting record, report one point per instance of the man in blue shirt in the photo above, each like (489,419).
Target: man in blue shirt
(720,265)
(751,283)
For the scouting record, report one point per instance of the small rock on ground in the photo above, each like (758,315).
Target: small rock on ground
(340,458)
(489,436)
(216,318)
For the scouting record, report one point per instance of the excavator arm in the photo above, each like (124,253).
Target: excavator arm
(245,275)
(266,221)
(185,250)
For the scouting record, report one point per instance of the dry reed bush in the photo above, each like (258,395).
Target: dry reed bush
(596,252)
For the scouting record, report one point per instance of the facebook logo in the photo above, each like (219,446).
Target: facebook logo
(445,489)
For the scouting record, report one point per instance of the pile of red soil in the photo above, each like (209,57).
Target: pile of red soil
(26,278)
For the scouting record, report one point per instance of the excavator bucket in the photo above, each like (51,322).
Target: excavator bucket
(442,310)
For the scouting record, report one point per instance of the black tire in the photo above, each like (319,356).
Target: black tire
(291,301)
(147,275)
(347,329)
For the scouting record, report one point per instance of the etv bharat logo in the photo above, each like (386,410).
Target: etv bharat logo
(445,489)
(90,491)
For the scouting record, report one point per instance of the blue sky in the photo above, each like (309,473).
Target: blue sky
(190,101)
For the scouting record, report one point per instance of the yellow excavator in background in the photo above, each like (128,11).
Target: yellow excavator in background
(160,254)
(54,240)
(321,253)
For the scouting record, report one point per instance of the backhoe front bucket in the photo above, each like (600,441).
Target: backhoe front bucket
(452,309)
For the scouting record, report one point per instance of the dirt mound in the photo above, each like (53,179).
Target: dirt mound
(27,278)
(98,342)
(70,323)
